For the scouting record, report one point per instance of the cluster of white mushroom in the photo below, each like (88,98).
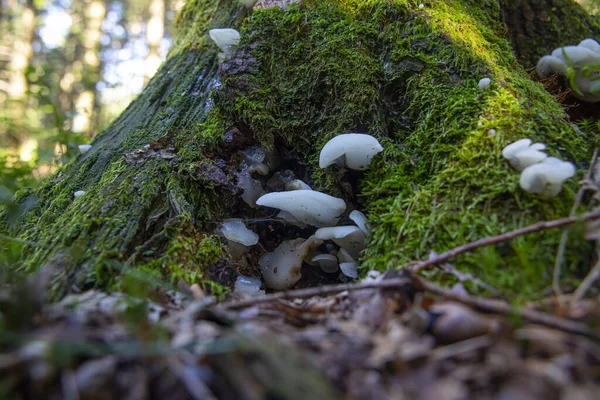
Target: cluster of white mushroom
(581,64)
(300,205)
(539,173)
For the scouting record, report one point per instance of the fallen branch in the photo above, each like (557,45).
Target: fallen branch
(540,226)
(565,235)
(501,307)
(317,291)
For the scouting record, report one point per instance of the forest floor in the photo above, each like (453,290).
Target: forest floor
(390,336)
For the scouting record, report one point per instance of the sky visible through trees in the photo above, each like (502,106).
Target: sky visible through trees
(67,69)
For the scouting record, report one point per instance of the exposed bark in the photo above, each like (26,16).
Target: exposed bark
(536,27)
(161,177)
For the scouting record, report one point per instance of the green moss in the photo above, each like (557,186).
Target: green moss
(384,67)
(410,78)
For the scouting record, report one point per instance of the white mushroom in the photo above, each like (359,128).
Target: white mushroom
(590,44)
(348,266)
(547,177)
(484,83)
(355,150)
(350,238)
(575,54)
(549,65)
(522,153)
(296,184)
(307,206)
(225,38)
(361,221)
(235,230)
(252,189)
(579,60)
(83,148)
(281,268)
(328,263)
(247,286)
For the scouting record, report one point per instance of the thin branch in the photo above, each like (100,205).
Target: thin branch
(587,283)
(501,307)
(540,226)
(565,235)
(408,210)
(316,291)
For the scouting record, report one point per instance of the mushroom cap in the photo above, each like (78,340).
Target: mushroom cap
(328,262)
(576,54)
(235,230)
(83,148)
(247,286)
(590,44)
(522,153)
(308,206)
(361,221)
(484,83)
(357,150)
(296,184)
(549,65)
(224,38)
(546,178)
(281,268)
(350,238)
(350,269)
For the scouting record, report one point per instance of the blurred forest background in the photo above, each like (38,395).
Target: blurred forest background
(68,68)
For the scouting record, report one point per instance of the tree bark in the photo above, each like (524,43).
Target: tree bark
(159,180)
(536,27)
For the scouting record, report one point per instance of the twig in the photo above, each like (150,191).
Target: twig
(565,235)
(501,307)
(540,226)
(408,210)
(587,283)
(316,291)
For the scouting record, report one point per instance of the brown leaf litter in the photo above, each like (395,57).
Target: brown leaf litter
(391,337)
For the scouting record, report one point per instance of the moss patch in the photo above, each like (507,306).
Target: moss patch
(409,77)
(405,75)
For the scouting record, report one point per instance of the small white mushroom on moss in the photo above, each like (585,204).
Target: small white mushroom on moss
(225,38)
(546,178)
(247,286)
(590,44)
(549,65)
(484,83)
(281,268)
(361,221)
(79,193)
(577,60)
(354,150)
(522,153)
(307,206)
(235,230)
(83,148)
(350,238)
(328,263)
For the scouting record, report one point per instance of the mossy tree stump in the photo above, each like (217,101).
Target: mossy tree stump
(162,176)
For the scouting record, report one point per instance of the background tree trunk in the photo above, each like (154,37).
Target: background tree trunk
(159,180)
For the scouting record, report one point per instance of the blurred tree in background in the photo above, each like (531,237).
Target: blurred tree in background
(67,69)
